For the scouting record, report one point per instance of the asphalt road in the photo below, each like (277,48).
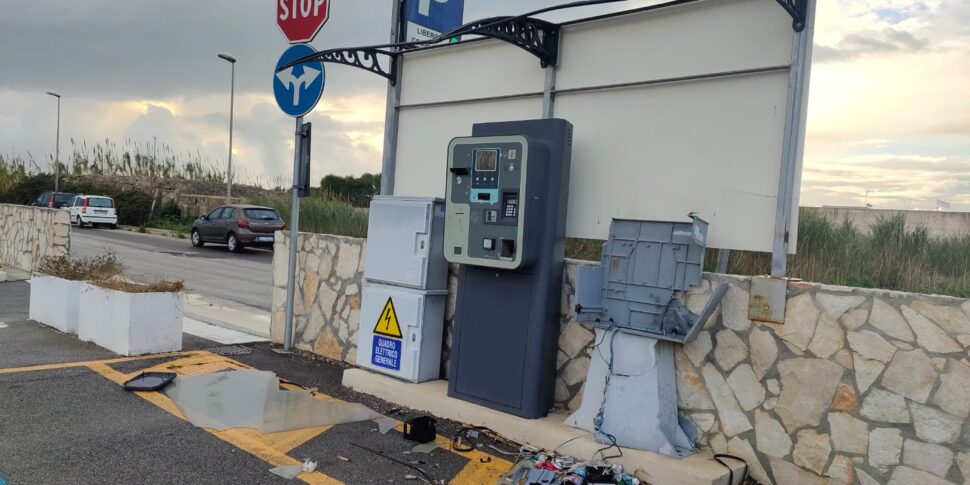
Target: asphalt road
(245,277)
(65,421)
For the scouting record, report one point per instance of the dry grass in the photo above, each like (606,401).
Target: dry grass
(161,286)
(101,267)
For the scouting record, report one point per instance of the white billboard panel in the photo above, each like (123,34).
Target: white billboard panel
(676,110)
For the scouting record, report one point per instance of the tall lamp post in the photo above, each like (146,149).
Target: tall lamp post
(232,94)
(57,144)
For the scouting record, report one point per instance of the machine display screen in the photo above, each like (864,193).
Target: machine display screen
(486,160)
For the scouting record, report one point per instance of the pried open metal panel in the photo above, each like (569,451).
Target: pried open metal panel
(676,110)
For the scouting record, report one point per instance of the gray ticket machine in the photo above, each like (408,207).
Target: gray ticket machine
(505,220)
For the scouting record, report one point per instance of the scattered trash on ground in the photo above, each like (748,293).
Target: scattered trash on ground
(290,472)
(149,381)
(421,429)
(424,477)
(426,447)
(542,469)
(253,399)
(342,458)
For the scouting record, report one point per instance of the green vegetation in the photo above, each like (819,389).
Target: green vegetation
(889,257)
(320,214)
(358,191)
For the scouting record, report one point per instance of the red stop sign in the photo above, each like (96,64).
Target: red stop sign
(300,20)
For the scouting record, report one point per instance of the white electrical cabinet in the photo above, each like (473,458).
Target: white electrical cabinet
(405,289)
(400,331)
(404,240)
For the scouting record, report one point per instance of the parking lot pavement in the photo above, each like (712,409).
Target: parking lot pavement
(66,419)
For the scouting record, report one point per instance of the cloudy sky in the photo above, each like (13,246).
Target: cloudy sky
(889,110)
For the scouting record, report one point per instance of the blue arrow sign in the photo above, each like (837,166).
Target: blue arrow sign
(298,88)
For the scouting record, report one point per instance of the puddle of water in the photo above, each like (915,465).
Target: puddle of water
(253,399)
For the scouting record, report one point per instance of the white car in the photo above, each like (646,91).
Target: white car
(93,210)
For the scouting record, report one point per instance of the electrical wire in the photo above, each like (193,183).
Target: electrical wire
(426,477)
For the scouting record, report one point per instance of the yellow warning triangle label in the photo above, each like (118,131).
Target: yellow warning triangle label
(387,323)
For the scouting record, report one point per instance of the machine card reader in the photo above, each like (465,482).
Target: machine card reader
(486,179)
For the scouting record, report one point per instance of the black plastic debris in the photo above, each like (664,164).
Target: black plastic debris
(420,429)
(149,381)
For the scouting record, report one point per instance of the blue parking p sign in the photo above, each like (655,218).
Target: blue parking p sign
(427,19)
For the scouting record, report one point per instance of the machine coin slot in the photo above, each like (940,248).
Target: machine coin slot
(459,171)
(484,196)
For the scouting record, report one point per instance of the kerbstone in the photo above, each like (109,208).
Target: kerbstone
(953,396)
(835,305)
(886,318)
(871,345)
(928,335)
(910,374)
(807,388)
(928,457)
(935,426)
(885,446)
(849,434)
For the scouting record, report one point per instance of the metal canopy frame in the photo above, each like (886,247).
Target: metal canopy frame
(541,39)
(536,36)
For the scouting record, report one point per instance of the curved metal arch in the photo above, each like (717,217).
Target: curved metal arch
(366,58)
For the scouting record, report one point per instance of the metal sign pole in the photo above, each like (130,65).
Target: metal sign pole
(794,139)
(294,237)
(392,110)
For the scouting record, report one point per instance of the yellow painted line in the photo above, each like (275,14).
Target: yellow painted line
(269,447)
(262,446)
(67,365)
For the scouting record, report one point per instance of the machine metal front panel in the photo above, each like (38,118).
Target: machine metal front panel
(486,211)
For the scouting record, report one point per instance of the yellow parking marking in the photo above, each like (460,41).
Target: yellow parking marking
(67,365)
(272,448)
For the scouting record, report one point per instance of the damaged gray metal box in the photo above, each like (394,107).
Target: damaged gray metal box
(644,264)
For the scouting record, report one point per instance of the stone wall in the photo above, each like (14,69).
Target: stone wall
(858,386)
(29,234)
(326,305)
(937,223)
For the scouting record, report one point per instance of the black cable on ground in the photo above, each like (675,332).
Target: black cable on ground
(428,478)
(718,456)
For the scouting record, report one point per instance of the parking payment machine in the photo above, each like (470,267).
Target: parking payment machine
(505,219)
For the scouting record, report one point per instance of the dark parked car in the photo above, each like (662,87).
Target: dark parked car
(237,226)
(55,200)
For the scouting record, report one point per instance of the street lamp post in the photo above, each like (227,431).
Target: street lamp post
(57,144)
(232,94)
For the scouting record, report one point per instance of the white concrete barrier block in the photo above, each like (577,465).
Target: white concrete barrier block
(131,323)
(54,302)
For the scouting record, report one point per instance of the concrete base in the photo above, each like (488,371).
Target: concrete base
(548,433)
